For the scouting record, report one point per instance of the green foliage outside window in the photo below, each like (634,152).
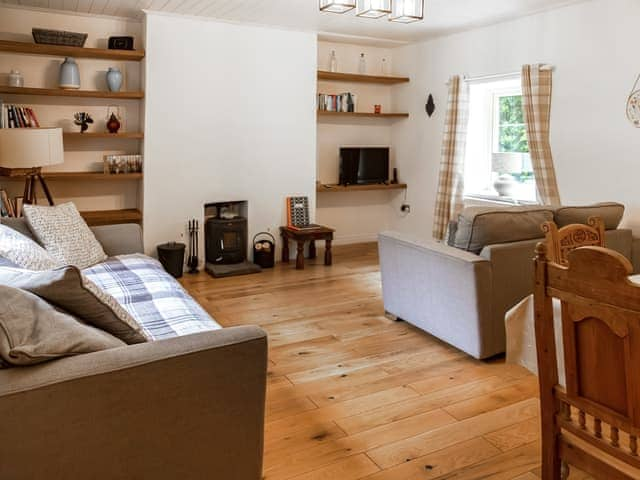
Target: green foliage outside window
(512,134)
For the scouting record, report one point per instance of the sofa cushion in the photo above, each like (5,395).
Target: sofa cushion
(611,214)
(19,225)
(482,226)
(65,234)
(68,289)
(23,251)
(32,331)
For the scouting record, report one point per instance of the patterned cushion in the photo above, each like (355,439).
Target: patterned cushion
(23,251)
(152,296)
(65,234)
(32,331)
(68,289)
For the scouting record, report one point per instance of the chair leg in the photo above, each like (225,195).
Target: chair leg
(552,467)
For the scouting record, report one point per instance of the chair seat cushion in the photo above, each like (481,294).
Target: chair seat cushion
(153,297)
(478,227)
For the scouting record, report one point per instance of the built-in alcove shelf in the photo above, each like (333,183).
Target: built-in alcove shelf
(112,217)
(65,51)
(59,92)
(333,188)
(356,77)
(89,135)
(325,113)
(83,176)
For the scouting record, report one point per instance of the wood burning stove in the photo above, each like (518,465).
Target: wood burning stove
(226,240)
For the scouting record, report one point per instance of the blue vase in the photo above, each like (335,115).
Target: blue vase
(114,79)
(69,74)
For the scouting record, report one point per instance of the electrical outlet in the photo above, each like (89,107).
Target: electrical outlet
(405,208)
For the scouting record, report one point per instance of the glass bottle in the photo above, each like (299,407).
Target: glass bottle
(333,62)
(362,65)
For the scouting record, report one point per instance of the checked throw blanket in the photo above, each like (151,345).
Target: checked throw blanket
(153,297)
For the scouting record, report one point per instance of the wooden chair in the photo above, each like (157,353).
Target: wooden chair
(561,241)
(594,422)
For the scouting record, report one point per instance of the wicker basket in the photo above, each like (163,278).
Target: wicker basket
(58,37)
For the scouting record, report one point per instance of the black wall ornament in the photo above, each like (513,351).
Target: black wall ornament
(430,107)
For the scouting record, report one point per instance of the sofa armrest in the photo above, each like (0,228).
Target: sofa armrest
(440,289)
(120,239)
(187,407)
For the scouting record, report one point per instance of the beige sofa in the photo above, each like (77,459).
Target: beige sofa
(188,407)
(461,292)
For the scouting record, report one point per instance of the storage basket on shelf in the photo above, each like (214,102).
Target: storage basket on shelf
(264,251)
(58,37)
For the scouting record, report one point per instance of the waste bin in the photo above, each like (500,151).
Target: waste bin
(171,256)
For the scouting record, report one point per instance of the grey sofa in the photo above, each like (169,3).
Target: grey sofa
(188,407)
(462,296)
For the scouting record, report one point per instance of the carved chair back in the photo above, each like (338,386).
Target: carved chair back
(560,241)
(594,422)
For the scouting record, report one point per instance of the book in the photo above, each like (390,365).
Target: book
(14,116)
(298,212)
(6,205)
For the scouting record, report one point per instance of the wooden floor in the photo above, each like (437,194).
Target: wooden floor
(355,395)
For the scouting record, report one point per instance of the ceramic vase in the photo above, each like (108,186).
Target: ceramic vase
(505,185)
(114,79)
(69,74)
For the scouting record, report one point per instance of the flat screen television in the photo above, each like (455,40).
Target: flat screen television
(364,165)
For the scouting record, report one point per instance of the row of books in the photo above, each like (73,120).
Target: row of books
(15,116)
(344,102)
(8,207)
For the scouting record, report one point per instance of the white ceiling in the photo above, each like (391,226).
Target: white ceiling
(441,16)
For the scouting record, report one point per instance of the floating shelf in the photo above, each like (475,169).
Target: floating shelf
(65,51)
(59,92)
(82,176)
(112,217)
(324,113)
(355,77)
(88,135)
(360,188)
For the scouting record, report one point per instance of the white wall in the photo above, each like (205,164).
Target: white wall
(42,72)
(594,48)
(356,216)
(230,115)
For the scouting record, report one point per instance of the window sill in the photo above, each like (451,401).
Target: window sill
(494,200)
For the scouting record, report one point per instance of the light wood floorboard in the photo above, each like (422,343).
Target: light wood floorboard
(355,395)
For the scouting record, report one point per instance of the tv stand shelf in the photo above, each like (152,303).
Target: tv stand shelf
(360,188)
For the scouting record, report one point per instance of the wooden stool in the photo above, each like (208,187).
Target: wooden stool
(302,236)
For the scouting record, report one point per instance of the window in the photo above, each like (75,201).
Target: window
(497,162)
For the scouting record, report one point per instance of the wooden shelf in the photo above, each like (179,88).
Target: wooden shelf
(355,77)
(88,135)
(324,113)
(59,92)
(64,51)
(112,217)
(82,176)
(360,188)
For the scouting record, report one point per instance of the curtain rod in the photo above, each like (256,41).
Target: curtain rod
(496,76)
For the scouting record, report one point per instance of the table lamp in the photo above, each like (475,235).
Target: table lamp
(24,151)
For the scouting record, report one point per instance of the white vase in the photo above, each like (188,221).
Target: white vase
(505,185)
(114,79)
(69,74)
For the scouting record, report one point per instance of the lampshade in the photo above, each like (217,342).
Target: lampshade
(30,147)
(407,11)
(373,8)
(337,6)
